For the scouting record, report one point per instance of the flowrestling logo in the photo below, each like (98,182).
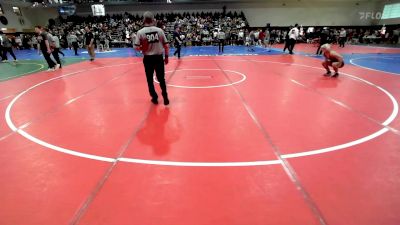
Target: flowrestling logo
(370,15)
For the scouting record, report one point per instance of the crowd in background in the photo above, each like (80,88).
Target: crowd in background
(120,30)
(355,35)
(196,29)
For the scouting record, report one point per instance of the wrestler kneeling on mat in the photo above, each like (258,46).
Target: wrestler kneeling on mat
(333,59)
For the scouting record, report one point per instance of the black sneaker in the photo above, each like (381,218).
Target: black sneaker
(335,75)
(327,74)
(154,101)
(166,101)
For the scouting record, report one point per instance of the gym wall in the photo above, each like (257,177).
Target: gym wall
(30,17)
(304,12)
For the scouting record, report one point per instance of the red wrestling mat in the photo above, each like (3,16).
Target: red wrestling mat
(253,140)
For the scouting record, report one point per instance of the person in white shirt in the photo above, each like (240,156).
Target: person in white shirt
(107,43)
(57,45)
(267,39)
(221,40)
(74,42)
(251,38)
(342,37)
(34,42)
(256,36)
(215,33)
(293,35)
(133,38)
(241,37)
(18,42)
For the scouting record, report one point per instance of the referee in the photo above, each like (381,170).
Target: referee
(293,35)
(221,40)
(152,42)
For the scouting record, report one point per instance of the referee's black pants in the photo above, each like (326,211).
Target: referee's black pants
(342,41)
(49,61)
(1,53)
(292,43)
(56,56)
(221,45)
(75,46)
(9,49)
(155,63)
(286,44)
(178,50)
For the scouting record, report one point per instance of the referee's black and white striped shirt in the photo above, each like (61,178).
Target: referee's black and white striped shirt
(152,39)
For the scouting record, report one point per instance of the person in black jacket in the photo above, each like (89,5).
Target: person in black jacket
(89,42)
(178,42)
(287,40)
(46,48)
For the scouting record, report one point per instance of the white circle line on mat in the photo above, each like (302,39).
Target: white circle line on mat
(205,87)
(202,164)
(364,67)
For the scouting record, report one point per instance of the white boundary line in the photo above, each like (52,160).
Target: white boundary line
(203,164)
(200,164)
(43,143)
(394,102)
(205,87)
(104,52)
(355,64)
(337,147)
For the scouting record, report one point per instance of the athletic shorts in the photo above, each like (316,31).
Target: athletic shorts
(330,64)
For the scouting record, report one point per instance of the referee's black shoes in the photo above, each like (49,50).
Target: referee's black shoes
(154,101)
(166,101)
